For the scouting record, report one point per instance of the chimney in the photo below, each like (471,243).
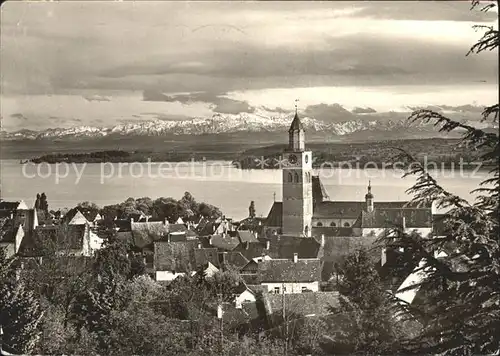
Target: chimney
(295,257)
(131,220)
(147,218)
(11,215)
(404,223)
(256,235)
(268,244)
(322,240)
(383,257)
(165,221)
(199,244)
(168,237)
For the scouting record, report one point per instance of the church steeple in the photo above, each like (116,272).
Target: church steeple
(369,198)
(296,137)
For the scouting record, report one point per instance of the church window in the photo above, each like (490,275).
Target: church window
(290,177)
(306,231)
(307,158)
(332,224)
(319,224)
(297,179)
(346,224)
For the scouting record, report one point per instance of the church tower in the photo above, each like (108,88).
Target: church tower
(297,183)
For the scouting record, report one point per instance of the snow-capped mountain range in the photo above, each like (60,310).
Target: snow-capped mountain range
(223,123)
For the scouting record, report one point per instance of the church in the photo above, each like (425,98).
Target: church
(307,211)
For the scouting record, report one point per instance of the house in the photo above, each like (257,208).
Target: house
(16,221)
(290,275)
(68,240)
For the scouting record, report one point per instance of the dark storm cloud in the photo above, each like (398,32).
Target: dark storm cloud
(328,113)
(220,103)
(354,59)
(19,116)
(358,110)
(425,10)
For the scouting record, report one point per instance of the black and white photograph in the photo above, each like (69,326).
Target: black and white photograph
(249,178)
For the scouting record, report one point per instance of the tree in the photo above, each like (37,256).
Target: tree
(364,321)
(20,311)
(251,210)
(462,265)
(44,205)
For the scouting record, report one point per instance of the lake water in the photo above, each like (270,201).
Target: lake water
(217,183)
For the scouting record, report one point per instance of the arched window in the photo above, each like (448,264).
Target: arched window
(332,224)
(319,224)
(306,231)
(297,179)
(346,224)
(290,177)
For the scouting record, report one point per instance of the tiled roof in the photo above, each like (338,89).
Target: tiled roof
(235,259)
(246,236)
(275,216)
(204,255)
(318,190)
(123,225)
(177,228)
(286,270)
(63,237)
(414,218)
(317,303)
(175,256)
(226,243)
(338,247)
(251,249)
(332,231)
(286,246)
(9,205)
(338,209)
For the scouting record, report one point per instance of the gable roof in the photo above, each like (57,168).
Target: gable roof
(175,256)
(235,259)
(307,304)
(275,216)
(204,255)
(296,123)
(414,218)
(227,243)
(10,206)
(246,236)
(338,209)
(285,270)
(286,246)
(62,237)
(78,218)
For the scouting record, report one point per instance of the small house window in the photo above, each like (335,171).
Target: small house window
(304,289)
(319,224)
(346,224)
(332,224)
(276,290)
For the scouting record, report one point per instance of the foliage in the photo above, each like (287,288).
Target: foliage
(462,308)
(364,321)
(20,311)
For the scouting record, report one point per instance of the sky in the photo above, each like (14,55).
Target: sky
(73,63)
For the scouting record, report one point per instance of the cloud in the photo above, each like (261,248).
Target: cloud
(220,103)
(358,110)
(328,113)
(467,108)
(96,98)
(277,110)
(19,116)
